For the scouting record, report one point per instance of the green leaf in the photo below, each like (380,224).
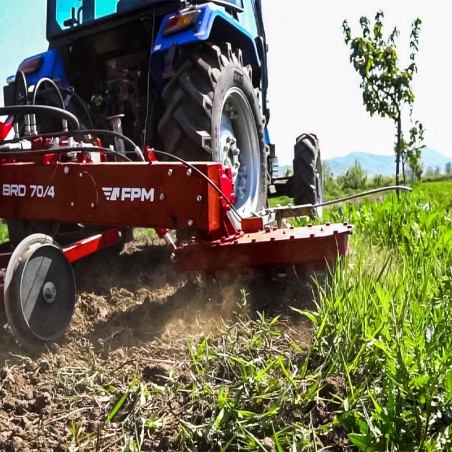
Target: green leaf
(362,442)
(117,407)
(420,381)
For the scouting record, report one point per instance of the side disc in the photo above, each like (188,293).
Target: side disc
(39,291)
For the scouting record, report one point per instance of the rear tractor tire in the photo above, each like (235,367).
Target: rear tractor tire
(213,114)
(307,181)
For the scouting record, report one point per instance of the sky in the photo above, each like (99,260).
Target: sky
(312,85)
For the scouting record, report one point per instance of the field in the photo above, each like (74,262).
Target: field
(158,361)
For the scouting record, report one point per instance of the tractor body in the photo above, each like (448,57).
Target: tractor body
(118,57)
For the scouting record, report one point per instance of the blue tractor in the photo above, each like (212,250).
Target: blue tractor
(121,82)
(185,76)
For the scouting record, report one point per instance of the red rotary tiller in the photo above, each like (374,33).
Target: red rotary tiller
(56,186)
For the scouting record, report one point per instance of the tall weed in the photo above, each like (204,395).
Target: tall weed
(385,324)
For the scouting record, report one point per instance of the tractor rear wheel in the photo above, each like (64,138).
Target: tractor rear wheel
(213,114)
(307,178)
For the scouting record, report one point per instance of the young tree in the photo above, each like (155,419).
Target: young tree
(386,86)
(412,151)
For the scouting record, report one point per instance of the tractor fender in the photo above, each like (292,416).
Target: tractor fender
(214,24)
(47,64)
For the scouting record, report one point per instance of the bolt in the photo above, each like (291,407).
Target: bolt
(190,223)
(93,205)
(173,257)
(66,170)
(80,174)
(72,204)
(199,198)
(120,234)
(49,292)
(170,172)
(162,196)
(188,172)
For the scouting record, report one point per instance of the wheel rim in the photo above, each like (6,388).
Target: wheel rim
(238,149)
(39,291)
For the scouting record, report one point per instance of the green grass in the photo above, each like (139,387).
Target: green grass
(385,323)
(3,231)
(377,374)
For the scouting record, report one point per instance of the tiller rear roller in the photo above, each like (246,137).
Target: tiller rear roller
(39,290)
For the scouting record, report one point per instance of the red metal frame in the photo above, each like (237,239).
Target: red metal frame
(90,245)
(148,194)
(314,246)
(161,196)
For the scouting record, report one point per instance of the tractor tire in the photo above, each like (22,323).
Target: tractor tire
(213,114)
(307,181)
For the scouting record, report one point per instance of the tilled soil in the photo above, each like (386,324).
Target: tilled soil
(134,315)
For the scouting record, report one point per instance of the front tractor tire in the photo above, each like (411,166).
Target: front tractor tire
(307,181)
(213,114)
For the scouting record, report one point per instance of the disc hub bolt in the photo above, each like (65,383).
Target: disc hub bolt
(49,292)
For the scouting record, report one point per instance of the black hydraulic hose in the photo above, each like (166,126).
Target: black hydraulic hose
(20,78)
(136,149)
(64,150)
(53,85)
(41,109)
(71,92)
(210,181)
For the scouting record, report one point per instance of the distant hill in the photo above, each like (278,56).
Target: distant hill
(383,164)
